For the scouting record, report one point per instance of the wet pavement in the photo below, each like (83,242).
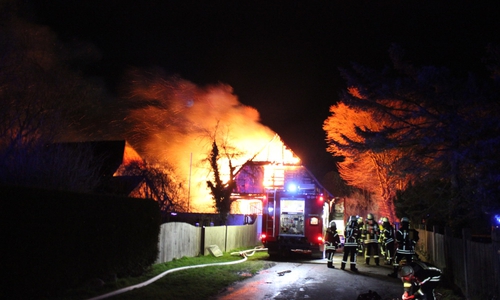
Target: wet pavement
(312,279)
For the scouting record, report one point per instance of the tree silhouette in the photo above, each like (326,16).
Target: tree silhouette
(221,190)
(437,130)
(44,101)
(159,183)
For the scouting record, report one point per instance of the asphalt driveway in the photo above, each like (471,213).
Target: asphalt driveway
(311,279)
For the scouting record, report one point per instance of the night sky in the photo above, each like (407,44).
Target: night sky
(281,57)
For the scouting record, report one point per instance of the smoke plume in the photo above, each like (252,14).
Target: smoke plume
(171,120)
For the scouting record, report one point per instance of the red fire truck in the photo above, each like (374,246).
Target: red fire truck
(294,220)
(295,208)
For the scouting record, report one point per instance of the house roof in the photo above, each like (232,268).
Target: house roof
(110,155)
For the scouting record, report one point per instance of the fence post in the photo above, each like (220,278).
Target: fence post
(202,241)
(435,229)
(495,240)
(225,239)
(466,236)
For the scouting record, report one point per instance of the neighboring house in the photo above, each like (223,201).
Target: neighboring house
(110,156)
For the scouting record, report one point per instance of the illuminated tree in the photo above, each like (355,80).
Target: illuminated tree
(437,131)
(362,167)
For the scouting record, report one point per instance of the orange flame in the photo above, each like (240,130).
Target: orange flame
(174,121)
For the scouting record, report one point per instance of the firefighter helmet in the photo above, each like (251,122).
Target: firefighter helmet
(351,219)
(385,220)
(406,271)
(333,225)
(369,217)
(360,220)
(405,219)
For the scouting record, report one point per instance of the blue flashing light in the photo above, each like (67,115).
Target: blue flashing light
(496,220)
(292,187)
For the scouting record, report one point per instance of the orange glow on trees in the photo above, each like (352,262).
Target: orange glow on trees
(363,167)
(423,133)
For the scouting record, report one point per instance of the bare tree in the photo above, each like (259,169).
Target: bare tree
(44,100)
(160,184)
(221,188)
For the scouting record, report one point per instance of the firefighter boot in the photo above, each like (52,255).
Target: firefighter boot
(394,274)
(367,261)
(353,268)
(377,261)
(330,260)
(342,266)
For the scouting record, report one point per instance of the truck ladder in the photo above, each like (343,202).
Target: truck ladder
(270,214)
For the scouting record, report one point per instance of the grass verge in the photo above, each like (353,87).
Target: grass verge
(193,284)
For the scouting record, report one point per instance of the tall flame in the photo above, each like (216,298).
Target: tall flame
(172,120)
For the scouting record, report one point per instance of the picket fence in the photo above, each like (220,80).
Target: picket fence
(474,267)
(178,239)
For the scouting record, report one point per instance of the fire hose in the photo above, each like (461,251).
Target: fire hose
(244,253)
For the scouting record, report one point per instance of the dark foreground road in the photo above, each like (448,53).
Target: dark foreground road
(311,279)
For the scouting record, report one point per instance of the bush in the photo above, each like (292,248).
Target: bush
(62,238)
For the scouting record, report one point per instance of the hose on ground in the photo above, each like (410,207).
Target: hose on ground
(244,254)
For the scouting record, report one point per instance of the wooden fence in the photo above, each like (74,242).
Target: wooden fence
(182,239)
(474,267)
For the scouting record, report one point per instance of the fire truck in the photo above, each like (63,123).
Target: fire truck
(293,207)
(294,220)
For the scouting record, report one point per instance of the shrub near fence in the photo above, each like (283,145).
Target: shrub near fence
(474,267)
(182,239)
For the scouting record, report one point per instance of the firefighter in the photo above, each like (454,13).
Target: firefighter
(419,280)
(406,239)
(372,234)
(387,240)
(383,250)
(351,235)
(361,237)
(332,242)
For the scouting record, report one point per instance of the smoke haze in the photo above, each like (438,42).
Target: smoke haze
(171,120)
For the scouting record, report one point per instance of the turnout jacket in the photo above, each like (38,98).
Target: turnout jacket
(406,239)
(372,232)
(332,237)
(387,235)
(426,279)
(351,234)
